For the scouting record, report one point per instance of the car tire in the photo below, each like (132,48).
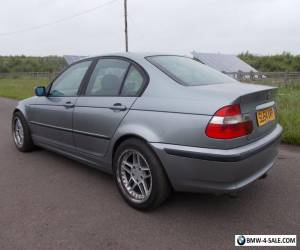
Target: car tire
(21,133)
(155,189)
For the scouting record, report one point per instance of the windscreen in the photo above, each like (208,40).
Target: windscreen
(188,71)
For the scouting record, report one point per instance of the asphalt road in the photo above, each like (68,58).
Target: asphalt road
(50,202)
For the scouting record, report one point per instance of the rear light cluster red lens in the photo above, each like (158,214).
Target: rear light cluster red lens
(228,123)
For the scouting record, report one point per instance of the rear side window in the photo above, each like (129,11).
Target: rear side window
(107,77)
(134,82)
(187,71)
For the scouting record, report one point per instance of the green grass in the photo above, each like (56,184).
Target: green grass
(288,101)
(20,88)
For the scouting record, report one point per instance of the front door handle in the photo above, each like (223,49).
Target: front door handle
(118,106)
(69,104)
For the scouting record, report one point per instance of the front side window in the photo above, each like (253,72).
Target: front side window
(68,83)
(134,83)
(107,77)
(188,71)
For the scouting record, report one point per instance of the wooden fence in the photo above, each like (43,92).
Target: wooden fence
(34,75)
(273,78)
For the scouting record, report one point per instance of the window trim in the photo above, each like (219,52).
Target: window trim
(49,87)
(131,62)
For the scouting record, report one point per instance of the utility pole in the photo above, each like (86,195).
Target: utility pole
(126,28)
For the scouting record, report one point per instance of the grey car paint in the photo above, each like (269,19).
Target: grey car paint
(172,118)
(94,138)
(55,112)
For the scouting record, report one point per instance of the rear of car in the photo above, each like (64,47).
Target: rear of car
(215,134)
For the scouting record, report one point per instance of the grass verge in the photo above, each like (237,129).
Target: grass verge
(288,101)
(20,88)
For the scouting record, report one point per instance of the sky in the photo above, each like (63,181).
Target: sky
(68,27)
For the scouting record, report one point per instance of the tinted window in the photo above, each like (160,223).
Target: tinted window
(188,71)
(67,84)
(107,77)
(133,83)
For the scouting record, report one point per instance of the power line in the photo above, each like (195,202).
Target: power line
(41,26)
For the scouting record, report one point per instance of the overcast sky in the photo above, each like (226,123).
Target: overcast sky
(180,26)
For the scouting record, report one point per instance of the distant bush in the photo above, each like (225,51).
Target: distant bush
(269,63)
(282,62)
(12,64)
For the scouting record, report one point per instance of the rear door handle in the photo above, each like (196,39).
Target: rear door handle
(118,106)
(69,104)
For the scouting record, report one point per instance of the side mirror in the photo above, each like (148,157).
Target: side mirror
(40,91)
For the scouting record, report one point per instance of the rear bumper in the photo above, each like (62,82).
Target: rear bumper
(195,169)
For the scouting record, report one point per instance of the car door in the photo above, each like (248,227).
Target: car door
(52,115)
(110,92)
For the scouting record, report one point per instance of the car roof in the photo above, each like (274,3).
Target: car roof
(132,55)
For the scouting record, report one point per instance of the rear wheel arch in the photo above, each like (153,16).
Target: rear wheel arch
(134,136)
(124,138)
(160,187)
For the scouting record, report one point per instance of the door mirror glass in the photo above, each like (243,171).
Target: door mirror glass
(40,91)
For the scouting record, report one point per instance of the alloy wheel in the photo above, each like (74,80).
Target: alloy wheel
(18,132)
(134,176)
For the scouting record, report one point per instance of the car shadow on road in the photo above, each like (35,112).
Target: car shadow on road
(193,202)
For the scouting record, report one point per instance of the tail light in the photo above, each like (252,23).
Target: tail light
(228,123)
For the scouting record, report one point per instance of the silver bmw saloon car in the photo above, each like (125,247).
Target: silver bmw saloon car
(156,122)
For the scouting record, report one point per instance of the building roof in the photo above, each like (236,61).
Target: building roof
(223,63)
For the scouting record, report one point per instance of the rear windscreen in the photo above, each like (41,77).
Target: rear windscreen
(188,71)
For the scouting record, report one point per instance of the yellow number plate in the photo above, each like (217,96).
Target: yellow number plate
(264,116)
